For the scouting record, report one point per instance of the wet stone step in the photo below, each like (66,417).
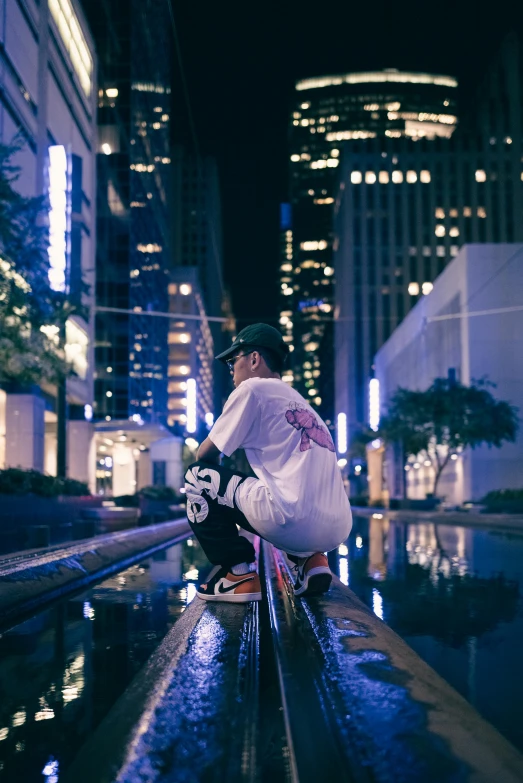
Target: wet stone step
(189,715)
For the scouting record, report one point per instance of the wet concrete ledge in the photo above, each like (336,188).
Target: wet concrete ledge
(400,718)
(30,579)
(189,713)
(464,519)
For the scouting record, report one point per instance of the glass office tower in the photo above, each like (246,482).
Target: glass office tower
(329,112)
(133,239)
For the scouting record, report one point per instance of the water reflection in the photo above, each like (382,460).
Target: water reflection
(454,594)
(62,670)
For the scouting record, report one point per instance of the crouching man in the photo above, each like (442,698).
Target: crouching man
(297,502)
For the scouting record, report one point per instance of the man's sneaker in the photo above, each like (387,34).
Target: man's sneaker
(313,575)
(225,586)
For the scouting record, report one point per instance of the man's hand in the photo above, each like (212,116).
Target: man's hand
(209,452)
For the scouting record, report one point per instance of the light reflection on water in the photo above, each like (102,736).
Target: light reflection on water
(62,670)
(453,593)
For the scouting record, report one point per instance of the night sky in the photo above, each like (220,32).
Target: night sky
(241,62)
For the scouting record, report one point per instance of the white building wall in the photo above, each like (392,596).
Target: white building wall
(42,101)
(481,277)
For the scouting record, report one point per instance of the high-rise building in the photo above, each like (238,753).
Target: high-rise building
(48,104)
(403,211)
(404,208)
(191,353)
(328,112)
(197,247)
(133,234)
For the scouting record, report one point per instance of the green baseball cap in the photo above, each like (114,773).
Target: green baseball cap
(257,336)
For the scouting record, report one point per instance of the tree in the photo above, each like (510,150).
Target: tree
(28,355)
(447,418)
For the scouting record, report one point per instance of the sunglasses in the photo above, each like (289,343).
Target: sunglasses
(231,362)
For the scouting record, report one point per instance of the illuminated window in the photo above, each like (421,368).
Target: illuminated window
(295,158)
(440,213)
(286,267)
(173,288)
(426,288)
(412,177)
(481,176)
(482,212)
(76,348)
(112,92)
(332,163)
(397,177)
(454,231)
(440,231)
(335,153)
(185,289)
(106,149)
(320,245)
(150,248)
(467,212)
(356,177)
(383,177)
(376,77)
(317,400)
(74,41)
(179,337)
(374,404)
(58,216)
(328,271)
(311,346)
(370,177)
(424,176)
(413,289)
(453,213)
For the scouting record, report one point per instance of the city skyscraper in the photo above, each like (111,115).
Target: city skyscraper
(133,235)
(403,211)
(328,112)
(197,250)
(404,208)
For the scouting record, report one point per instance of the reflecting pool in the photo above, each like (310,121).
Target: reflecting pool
(453,594)
(62,670)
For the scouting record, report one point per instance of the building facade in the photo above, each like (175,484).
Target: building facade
(197,251)
(191,354)
(403,211)
(471,325)
(48,102)
(133,248)
(330,112)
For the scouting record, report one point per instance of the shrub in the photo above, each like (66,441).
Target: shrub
(15,481)
(160,493)
(509,501)
(127,501)
(72,487)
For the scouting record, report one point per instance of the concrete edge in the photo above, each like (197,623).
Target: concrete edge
(465,519)
(28,582)
(114,743)
(481,752)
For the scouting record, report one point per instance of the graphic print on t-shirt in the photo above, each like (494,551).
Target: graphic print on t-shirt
(304,420)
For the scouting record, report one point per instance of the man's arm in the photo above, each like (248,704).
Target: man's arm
(209,452)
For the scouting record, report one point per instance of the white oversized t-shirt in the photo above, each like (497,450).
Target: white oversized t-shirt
(291,451)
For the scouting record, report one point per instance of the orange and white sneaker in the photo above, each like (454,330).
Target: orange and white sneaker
(313,575)
(226,586)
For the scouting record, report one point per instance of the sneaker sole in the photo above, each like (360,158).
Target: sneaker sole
(241,598)
(318,581)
